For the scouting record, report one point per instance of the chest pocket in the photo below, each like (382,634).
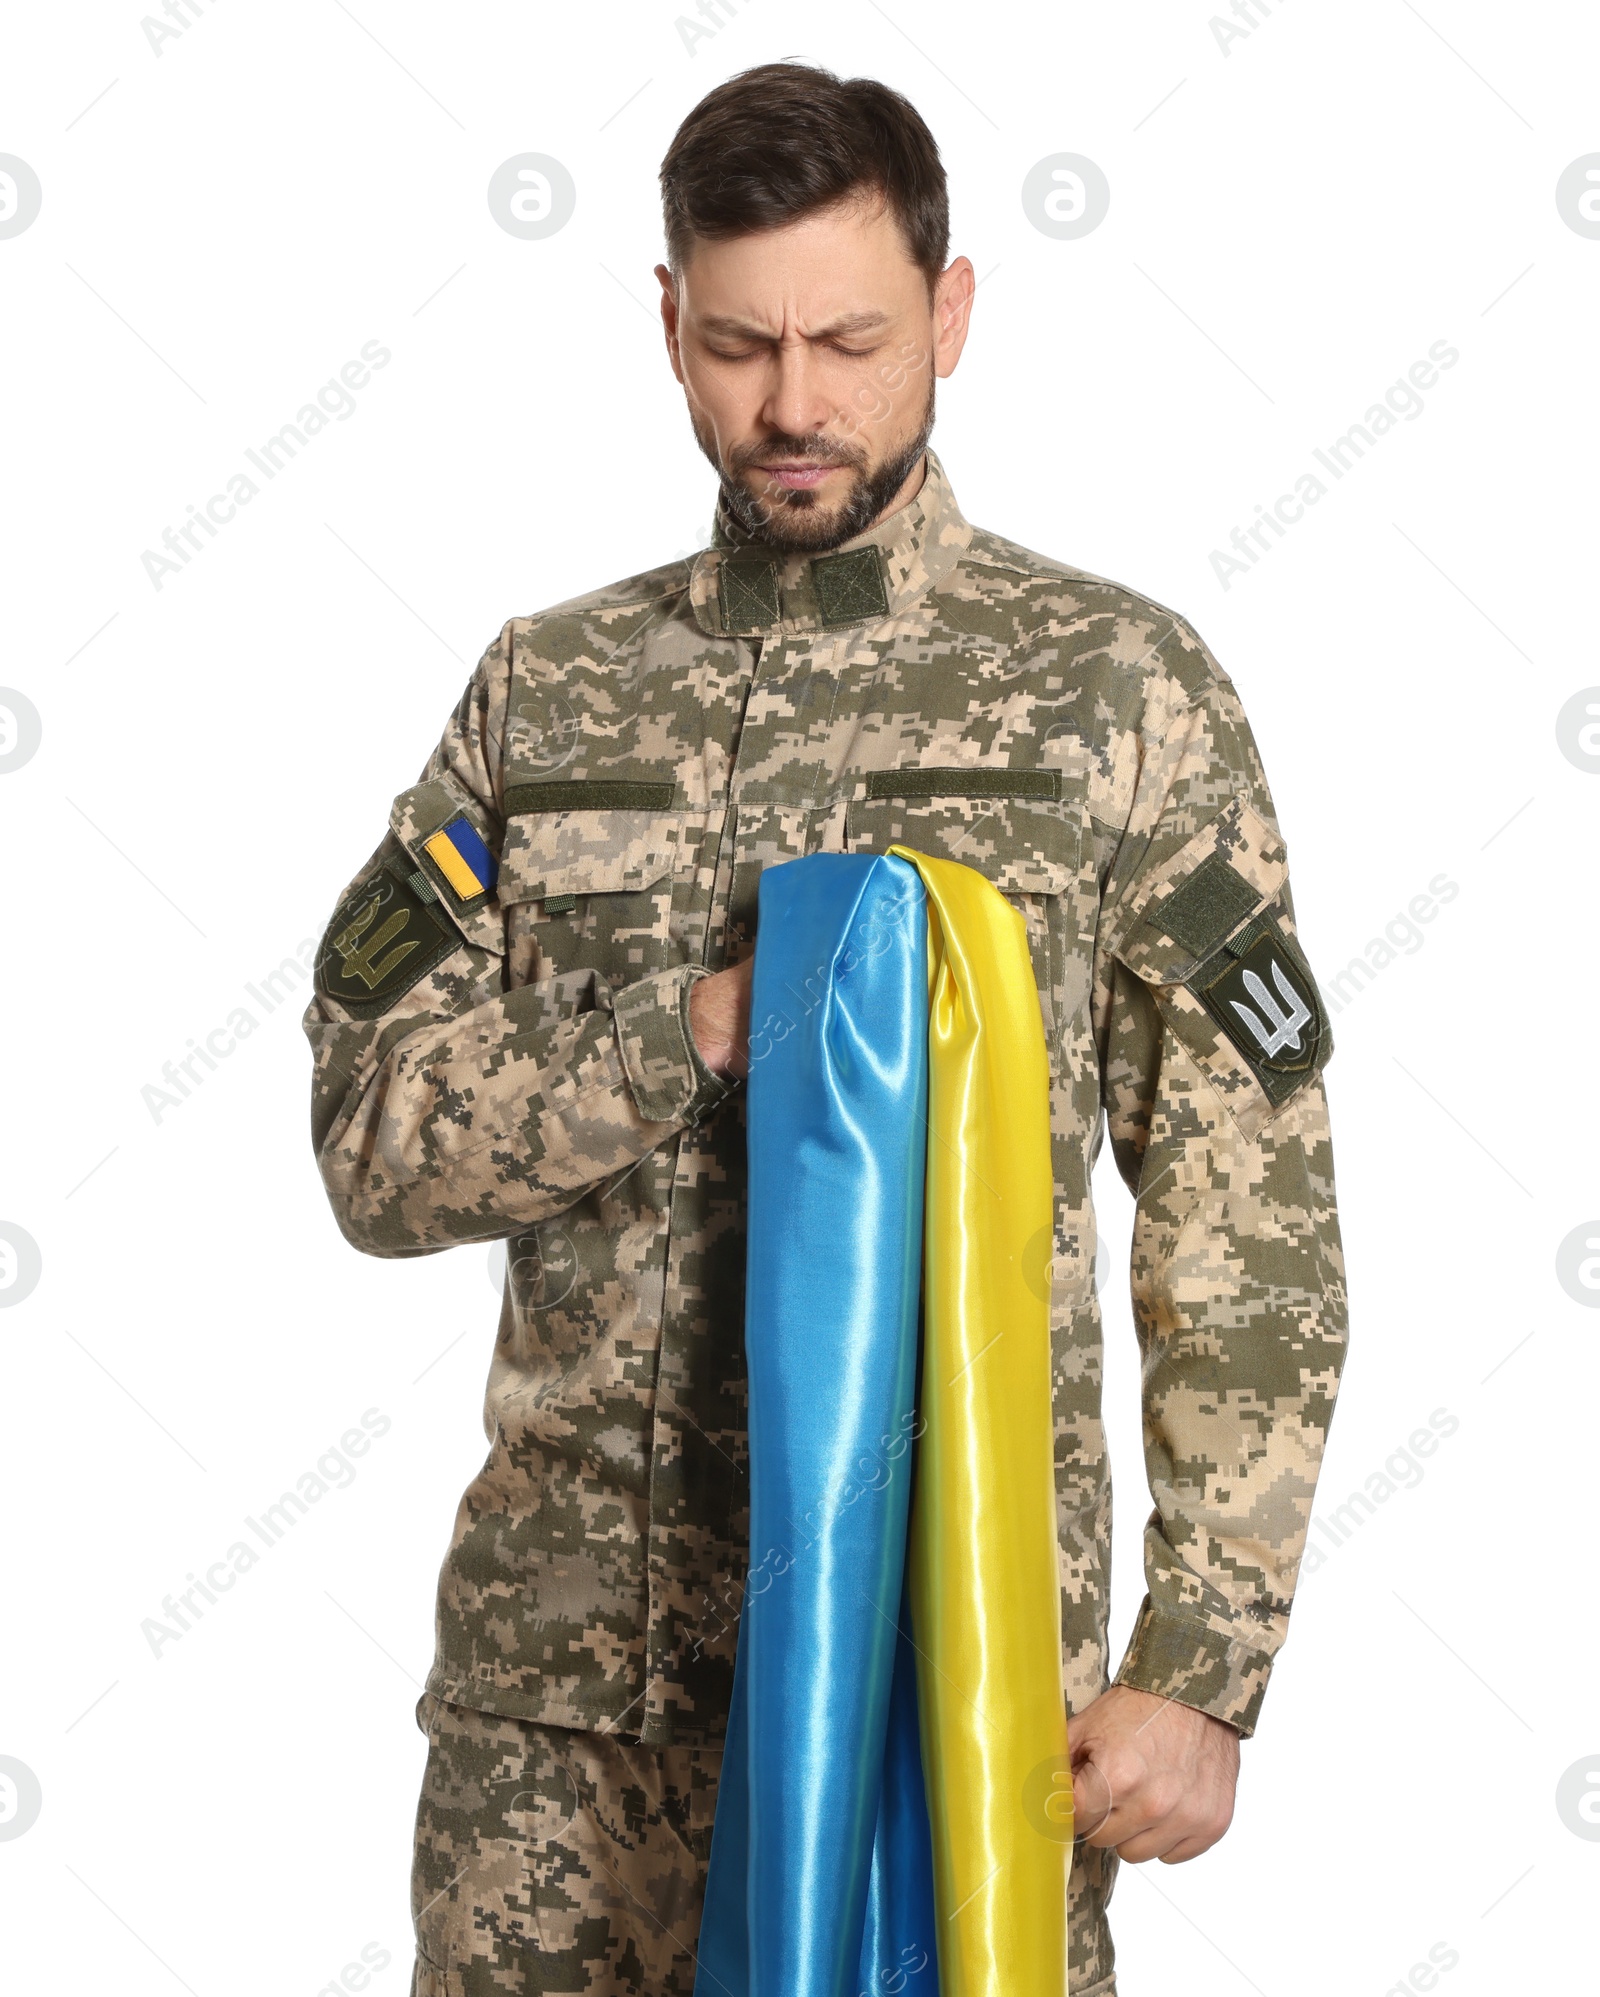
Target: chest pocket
(587,890)
(1012,826)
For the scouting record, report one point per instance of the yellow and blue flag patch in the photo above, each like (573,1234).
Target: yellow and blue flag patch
(464,862)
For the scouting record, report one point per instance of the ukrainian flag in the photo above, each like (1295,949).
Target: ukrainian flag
(463,859)
(895,1803)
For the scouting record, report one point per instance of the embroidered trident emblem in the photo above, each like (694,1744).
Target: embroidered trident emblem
(1281,1029)
(358,957)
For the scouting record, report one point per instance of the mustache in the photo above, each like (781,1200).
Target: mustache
(813,449)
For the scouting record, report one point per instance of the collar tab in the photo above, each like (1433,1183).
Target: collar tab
(851,585)
(739,589)
(748,591)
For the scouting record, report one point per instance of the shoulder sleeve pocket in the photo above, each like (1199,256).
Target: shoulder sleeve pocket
(1212,935)
(452,846)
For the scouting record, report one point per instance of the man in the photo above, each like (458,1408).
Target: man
(532,1017)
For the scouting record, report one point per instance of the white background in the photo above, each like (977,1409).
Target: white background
(1295,218)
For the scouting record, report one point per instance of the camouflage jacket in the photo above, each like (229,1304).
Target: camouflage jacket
(502,1050)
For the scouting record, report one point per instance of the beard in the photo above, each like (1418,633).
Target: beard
(798,523)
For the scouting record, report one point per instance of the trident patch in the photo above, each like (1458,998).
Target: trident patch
(1266,1002)
(384,938)
(358,943)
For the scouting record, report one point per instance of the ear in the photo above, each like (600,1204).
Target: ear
(952,313)
(669,317)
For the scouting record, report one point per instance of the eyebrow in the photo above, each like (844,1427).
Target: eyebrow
(851,322)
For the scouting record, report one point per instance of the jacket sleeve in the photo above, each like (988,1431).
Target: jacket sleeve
(1212,1038)
(445,1106)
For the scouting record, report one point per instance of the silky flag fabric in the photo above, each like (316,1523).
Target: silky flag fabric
(985,1588)
(836,1118)
(898,1734)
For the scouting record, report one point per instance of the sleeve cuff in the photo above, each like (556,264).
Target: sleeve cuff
(1183,1658)
(670,1082)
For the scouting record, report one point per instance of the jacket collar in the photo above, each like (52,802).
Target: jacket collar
(740,589)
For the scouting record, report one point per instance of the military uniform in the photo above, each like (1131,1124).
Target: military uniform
(503,1050)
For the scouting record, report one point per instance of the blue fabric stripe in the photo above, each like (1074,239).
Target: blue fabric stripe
(898,1952)
(821,1872)
(463,836)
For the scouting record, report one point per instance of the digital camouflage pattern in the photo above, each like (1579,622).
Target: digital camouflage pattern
(632,761)
(552,1860)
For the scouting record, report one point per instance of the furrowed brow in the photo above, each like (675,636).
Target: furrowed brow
(743,329)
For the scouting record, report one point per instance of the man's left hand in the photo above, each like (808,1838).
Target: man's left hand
(1152,1778)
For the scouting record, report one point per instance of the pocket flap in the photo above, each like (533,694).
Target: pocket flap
(1226,874)
(1022,846)
(579,852)
(1210,932)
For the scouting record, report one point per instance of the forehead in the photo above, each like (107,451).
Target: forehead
(841,262)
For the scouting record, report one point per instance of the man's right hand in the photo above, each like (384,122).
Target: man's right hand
(719,1019)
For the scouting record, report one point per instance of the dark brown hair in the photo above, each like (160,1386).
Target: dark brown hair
(782,141)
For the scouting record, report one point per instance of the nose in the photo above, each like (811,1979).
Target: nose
(796,402)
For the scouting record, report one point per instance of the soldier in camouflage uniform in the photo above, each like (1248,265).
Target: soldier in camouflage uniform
(514,1038)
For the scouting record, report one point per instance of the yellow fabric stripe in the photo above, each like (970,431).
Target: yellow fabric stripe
(985,1602)
(440,849)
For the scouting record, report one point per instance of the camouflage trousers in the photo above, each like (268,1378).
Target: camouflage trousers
(554,1861)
